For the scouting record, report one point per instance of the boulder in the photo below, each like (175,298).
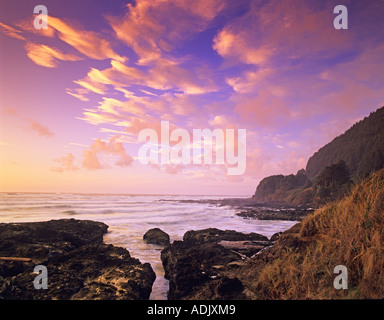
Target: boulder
(217,235)
(156,236)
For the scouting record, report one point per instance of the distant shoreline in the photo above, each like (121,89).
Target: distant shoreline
(250,209)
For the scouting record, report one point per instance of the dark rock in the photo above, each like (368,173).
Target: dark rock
(222,288)
(188,266)
(40,240)
(201,266)
(157,236)
(79,265)
(290,214)
(275,236)
(216,235)
(245,248)
(227,287)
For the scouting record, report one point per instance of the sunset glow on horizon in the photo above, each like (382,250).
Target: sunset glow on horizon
(74,97)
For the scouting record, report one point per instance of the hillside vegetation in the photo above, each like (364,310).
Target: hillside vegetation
(349,232)
(332,170)
(361,148)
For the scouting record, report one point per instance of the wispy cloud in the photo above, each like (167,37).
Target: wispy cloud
(154,27)
(79,93)
(46,56)
(10,31)
(39,128)
(89,43)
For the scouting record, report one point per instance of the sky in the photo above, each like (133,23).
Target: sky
(75,96)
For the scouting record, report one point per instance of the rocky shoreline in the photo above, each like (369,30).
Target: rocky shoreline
(80,266)
(207,264)
(290,214)
(249,208)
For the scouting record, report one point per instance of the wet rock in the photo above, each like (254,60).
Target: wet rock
(189,266)
(156,236)
(217,235)
(262,213)
(201,266)
(40,240)
(79,265)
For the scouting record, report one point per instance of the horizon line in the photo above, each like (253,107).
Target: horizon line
(123,194)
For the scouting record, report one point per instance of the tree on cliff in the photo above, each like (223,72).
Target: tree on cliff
(332,182)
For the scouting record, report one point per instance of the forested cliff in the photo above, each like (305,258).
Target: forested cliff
(333,169)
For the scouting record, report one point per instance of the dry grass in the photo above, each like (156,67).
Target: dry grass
(350,233)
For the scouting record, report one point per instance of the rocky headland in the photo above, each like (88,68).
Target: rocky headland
(80,266)
(331,172)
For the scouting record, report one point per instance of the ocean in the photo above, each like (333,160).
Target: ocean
(130,216)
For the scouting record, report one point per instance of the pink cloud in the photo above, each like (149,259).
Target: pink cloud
(263,162)
(169,74)
(131,114)
(47,56)
(89,43)
(79,93)
(360,82)
(9,111)
(27,26)
(237,46)
(99,148)
(151,27)
(39,128)
(92,86)
(250,80)
(263,109)
(10,31)
(301,31)
(66,163)
(164,74)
